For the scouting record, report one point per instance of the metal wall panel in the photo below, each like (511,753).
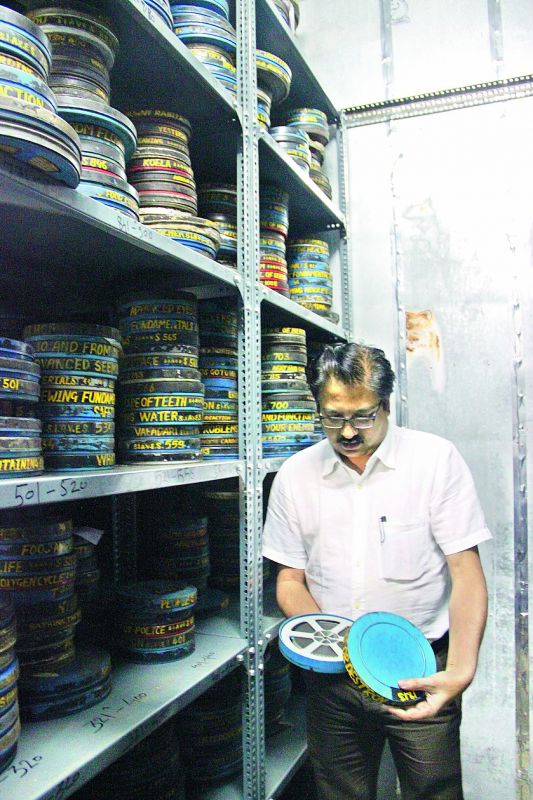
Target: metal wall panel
(459,188)
(432,45)
(341,41)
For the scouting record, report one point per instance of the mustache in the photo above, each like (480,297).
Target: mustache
(354,440)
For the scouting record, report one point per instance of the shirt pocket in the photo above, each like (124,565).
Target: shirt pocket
(404,549)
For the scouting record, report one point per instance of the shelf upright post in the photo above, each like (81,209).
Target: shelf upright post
(124,533)
(344,200)
(251,574)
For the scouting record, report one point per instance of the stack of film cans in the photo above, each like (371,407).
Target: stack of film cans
(204,26)
(219,369)
(79,367)
(151,769)
(161,171)
(160,168)
(162,9)
(178,549)
(83,53)
(289,11)
(38,566)
(314,123)
(218,202)
(210,734)
(9,673)
(310,282)
(295,142)
(274,222)
(153,621)
(20,429)
(31,130)
(274,78)
(288,416)
(161,393)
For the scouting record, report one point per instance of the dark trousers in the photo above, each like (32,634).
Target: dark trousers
(346,734)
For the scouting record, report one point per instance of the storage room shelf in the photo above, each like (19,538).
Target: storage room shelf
(60,487)
(274,35)
(311,211)
(56,757)
(75,246)
(285,752)
(279,309)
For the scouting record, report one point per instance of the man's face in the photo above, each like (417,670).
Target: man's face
(345,400)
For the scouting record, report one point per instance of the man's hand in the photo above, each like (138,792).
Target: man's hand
(440,688)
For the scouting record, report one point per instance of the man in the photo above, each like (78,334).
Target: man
(380,518)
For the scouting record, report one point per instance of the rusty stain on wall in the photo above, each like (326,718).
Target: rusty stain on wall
(424,342)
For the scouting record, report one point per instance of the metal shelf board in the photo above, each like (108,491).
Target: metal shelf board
(277,308)
(285,752)
(60,487)
(55,758)
(46,225)
(274,36)
(272,464)
(311,211)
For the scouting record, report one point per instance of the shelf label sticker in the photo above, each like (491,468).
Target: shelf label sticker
(92,535)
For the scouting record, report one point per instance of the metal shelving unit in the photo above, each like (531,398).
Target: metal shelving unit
(47,225)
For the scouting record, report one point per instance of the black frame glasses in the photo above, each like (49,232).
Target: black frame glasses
(333,422)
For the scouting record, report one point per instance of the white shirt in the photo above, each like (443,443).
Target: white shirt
(377,541)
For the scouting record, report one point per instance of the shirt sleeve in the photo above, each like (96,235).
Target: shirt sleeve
(457,520)
(282,539)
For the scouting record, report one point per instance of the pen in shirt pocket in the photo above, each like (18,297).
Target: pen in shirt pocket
(382,521)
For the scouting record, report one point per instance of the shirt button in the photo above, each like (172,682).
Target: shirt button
(360,486)
(357,604)
(358,564)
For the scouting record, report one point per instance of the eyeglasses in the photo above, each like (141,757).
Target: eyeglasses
(337,423)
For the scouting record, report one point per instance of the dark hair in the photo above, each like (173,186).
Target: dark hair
(354,364)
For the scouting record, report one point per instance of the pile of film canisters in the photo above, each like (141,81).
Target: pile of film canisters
(31,130)
(288,416)
(79,368)
(9,673)
(314,351)
(210,734)
(224,523)
(84,47)
(289,11)
(274,79)
(219,370)
(274,229)
(87,571)
(314,124)
(218,202)
(160,169)
(205,28)
(178,548)
(153,621)
(38,570)
(151,769)
(20,429)
(310,281)
(161,396)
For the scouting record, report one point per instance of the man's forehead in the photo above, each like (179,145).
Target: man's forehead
(336,391)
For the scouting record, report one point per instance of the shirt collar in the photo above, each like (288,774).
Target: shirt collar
(386,453)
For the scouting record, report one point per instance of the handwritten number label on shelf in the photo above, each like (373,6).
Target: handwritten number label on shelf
(21,768)
(28,494)
(109,713)
(205,660)
(134,228)
(173,476)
